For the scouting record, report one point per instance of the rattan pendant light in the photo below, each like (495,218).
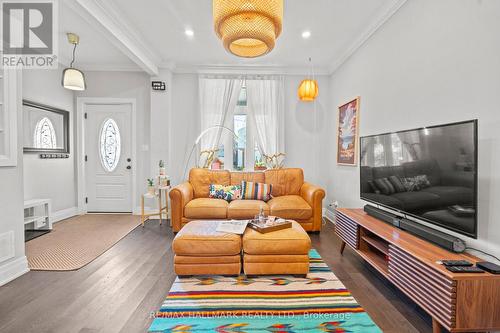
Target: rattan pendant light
(248,28)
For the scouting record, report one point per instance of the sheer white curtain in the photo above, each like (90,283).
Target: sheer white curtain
(218,97)
(266,107)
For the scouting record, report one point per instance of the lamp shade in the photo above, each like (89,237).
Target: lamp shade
(308,90)
(73,79)
(248,28)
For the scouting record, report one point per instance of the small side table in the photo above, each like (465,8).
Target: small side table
(162,207)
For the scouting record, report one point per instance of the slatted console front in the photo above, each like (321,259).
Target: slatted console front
(457,302)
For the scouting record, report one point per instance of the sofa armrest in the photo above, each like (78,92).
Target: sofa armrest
(314,196)
(180,195)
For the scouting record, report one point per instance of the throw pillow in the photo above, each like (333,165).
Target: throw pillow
(422,181)
(256,191)
(398,185)
(385,186)
(411,184)
(373,187)
(228,193)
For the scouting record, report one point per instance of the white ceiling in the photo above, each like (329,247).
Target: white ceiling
(94,50)
(337,28)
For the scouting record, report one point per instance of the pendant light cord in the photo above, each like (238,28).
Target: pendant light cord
(73,59)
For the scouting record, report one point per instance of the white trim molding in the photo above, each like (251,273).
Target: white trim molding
(329,215)
(379,21)
(108,19)
(13,269)
(8,121)
(64,214)
(80,146)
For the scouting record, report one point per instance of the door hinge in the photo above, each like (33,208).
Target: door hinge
(85,115)
(86,200)
(86,159)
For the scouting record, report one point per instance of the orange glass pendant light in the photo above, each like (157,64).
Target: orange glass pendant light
(248,28)
(308,88)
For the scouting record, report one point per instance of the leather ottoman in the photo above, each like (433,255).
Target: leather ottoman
(200,250)
(279,252)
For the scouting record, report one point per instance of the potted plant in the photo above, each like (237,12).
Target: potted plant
(151,186)
(161,164)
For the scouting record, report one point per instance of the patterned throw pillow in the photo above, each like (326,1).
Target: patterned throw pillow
(385,186)
(398,185)
(422,181)
(411,184)
(228,193)
(416,183)
(255,191)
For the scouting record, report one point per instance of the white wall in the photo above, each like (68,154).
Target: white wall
(128,85)
(433,62)
(306,124)
(308,130)
(185,123)
(11,206)
(53,179)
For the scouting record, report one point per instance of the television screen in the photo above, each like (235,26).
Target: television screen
(428,173)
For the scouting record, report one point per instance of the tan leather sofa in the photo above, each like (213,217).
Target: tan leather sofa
(292,198)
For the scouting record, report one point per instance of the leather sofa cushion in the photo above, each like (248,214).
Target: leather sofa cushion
(238,177)
(246,209)
(201,179)
(452,195)
(289,241)
(290,207)
(200,238)
(276,258)
(206,208)
(190,260)
(414,201)
(285,181)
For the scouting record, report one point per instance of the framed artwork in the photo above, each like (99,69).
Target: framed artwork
(348,133)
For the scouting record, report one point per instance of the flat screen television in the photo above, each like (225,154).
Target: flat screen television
(427,173)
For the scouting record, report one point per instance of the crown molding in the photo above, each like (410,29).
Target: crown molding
(112,24)
(376,24)
(247,69)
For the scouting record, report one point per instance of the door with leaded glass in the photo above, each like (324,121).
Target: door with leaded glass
(108,163)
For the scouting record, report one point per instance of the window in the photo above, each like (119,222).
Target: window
(240,143)
(244,152)
(45,135)
(110,147)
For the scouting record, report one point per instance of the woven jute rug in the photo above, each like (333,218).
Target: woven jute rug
(75,242)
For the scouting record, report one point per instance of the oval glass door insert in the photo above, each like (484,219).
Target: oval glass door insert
(109,143)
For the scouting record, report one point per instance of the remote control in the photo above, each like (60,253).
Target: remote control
(456,263)
(489,267)
(464,269)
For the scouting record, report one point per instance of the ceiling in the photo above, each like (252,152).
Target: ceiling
(145,35)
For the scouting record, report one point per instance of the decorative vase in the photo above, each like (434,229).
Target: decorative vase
(151,190)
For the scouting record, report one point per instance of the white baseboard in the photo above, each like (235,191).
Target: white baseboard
(64,214)
(13,269)
(329,215)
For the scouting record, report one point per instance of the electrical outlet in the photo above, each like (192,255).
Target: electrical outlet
(334,204)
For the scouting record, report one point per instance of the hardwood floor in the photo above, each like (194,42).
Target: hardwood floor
(119,290)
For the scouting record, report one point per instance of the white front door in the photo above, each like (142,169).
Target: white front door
(108,155)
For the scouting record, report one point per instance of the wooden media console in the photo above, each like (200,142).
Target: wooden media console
(459,302)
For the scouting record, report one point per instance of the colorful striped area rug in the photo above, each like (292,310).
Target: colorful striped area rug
(277,304)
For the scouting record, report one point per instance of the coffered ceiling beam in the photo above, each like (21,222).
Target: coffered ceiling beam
(106,18)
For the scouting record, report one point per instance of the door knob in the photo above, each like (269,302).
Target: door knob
(129,159)
(129,167)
